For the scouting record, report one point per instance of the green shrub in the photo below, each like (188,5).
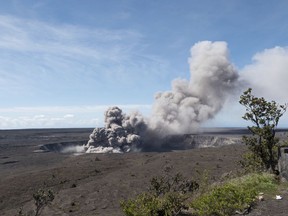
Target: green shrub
(223,200)
(165,197)
(252,163)
(262,182)
(42,198)
(147,204)
(237,194)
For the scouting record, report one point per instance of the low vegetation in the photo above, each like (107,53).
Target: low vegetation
(236,195)
(166,196)
(220,199)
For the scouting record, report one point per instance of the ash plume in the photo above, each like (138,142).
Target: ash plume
(213,79)
(181,110)
(122,133)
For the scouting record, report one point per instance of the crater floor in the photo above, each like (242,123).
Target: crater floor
(93,184)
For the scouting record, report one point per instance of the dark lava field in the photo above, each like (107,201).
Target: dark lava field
(93,184)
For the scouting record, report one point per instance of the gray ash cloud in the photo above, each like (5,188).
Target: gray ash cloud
(181,110)
(122,133)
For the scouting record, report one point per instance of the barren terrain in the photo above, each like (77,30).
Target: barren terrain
(93,184)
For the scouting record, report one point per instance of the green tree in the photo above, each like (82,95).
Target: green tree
(265,116)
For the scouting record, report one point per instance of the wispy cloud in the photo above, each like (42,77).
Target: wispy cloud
(43,121)
(75,109)
(60,116)
(35,54)
(67,40)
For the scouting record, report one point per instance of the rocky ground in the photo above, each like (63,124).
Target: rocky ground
(93,184)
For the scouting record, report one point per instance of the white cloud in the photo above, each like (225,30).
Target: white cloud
(67,40)
(268,74)
(69,116)
(70,109)
(59,117)
(34,54)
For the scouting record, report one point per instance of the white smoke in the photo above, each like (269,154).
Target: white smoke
(213,79)
(181,110)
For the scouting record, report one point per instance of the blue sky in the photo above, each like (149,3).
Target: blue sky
(62,63)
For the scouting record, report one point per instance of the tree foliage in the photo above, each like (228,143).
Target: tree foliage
(265,117)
